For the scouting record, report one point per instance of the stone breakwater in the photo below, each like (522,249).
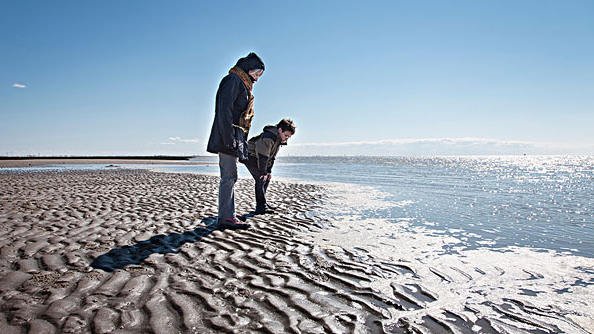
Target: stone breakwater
(130,251)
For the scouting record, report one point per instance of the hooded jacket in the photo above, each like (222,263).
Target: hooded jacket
(263,149)
(231,100)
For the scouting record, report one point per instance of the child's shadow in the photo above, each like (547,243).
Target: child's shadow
(120,257)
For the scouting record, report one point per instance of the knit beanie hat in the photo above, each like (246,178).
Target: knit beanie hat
(250,62)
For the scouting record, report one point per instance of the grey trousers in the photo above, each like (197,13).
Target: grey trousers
(228,167)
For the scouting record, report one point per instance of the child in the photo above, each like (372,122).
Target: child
(262,150)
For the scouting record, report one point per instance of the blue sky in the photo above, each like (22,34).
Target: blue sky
(377,77)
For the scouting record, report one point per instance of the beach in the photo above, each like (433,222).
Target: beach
(135,251)
(105,161)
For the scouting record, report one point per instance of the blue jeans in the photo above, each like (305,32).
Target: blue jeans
(228,167)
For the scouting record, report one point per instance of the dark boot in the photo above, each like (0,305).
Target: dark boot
(262,211)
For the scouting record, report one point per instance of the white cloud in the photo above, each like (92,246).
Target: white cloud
(179,140)
(446,141)
(175,140)
(17,85)
(422,146)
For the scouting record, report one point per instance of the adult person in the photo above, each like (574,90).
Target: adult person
(262,150)
(233,110)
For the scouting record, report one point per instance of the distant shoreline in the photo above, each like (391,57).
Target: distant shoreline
(126,157)
(8,162)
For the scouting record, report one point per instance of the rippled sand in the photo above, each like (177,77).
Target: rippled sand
(131,251)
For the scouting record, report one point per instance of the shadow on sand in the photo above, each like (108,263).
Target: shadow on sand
(162,244)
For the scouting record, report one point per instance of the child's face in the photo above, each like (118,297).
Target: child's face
(285,135)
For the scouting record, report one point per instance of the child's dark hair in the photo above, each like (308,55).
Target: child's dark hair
(286,125)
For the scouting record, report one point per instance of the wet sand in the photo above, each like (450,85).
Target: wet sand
(133,251)
(43,162)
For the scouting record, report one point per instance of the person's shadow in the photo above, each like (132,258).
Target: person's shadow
(246,216)
(162,244)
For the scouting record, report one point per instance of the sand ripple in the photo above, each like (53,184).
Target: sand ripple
(124,251)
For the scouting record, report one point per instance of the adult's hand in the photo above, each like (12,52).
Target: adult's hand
(266,177)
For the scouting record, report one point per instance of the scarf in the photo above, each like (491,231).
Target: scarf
(245,120)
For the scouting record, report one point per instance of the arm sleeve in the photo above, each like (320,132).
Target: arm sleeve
(270,164)
(263,149)
(228,92)
(262,163)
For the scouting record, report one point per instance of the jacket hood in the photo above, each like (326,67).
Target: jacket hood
(272,129)
(250,62)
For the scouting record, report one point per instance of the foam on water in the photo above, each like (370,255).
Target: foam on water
(559,286)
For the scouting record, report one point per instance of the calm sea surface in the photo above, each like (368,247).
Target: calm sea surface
(543,202)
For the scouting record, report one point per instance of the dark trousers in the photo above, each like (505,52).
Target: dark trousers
(261,185)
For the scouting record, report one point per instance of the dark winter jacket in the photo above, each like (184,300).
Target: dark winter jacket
(263,149)
(231,100)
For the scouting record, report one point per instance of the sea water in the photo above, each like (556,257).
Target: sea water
(539,202)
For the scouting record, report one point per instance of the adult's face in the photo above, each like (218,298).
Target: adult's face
(256,74)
